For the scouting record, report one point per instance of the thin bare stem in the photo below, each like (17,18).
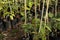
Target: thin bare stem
(46,16)
(25,13)
(42,15)
(56,7)
(35,9)
(56,14)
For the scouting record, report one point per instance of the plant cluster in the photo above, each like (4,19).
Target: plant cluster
(38,19)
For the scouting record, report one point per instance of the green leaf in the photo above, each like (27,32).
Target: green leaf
(58,19)
(11,17)
(0,7)
(22,13)
(48,28)
(50,15)
(30,4)
(43,33)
